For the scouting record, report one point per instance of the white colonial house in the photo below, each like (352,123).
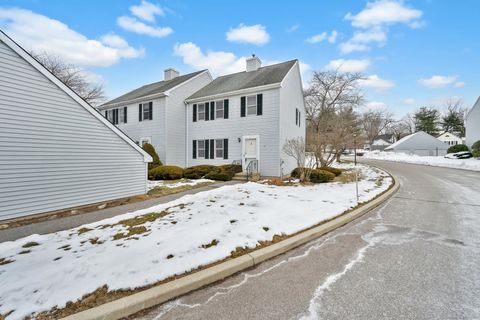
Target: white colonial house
(472,124)
(246,118)
(419,143)
(56,151)
(450,139)
(155,113)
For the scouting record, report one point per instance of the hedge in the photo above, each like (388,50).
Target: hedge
(221,175)
(197,172)
(233,168)
(319,176)
(476,149)
(457,148)
(166,173)
(335,171)
(150,149)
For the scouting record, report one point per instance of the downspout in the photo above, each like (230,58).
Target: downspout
(186,134)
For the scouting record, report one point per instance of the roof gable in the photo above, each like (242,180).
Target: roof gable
(39,67)
(418,140)
(268,75)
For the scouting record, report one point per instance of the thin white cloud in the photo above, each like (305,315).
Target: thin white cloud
(384,12)
(409,101)
(375,105)
(133,25)
(147,11)
(323,36)
(256,34)
(459,84)
(376,83)
(218,62)
(42,34)
(293,28)
(349,47)
(333,36)
(361,39)
(437,81)
(351,65)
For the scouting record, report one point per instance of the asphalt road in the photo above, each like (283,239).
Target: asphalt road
(417,256)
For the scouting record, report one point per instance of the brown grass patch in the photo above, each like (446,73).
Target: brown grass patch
(130,232)
(213,243)
(83,230)
(30,244)
(4,261)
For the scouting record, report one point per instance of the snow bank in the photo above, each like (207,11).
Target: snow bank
(66,265)
(466,164)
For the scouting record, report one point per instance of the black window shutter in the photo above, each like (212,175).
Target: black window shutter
(225,109)
(207,111)
(259,104)
(194,116)
(225,148)
(194,149)
(140,112)
(299,117)
(212,110)
(125,114)
(115,116)
(242,106)
(207,149)
(106,114)
(296,116)
(212,149)
(150,111)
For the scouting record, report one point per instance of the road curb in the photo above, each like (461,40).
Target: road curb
(136,302)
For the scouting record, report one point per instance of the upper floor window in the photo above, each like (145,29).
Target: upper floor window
(251,105)
(110,115)
(219,109)
(116,115)
(145,111)
(201,111)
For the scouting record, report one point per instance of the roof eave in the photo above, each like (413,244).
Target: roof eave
(136,100)
(234,92)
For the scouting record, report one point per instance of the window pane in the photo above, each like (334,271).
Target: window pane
(201,116)
(201,108)
(219,143)
(219,153)
(121,116)
(251,100)
(219,104)
(201,153)
(201,144)
(146,111)
(252,110)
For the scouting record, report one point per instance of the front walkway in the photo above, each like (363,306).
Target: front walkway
(69,222)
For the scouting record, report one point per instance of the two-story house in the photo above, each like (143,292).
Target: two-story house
(247,117)
(155,113)
(472,124)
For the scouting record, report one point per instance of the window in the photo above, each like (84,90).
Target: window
(219,109)
(122,115)
(110,115)
(201,148)
(251,105)
(297,117)
(219,148)
(201,111)
(146,111)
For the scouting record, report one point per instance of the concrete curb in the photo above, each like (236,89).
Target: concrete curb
(136,302)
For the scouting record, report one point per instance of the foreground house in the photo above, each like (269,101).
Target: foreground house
(472,124)
(421,144)
(450,139)
(56,151)
(246,118)
(155,113)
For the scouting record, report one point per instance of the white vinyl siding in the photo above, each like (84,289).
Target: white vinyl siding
(54,154)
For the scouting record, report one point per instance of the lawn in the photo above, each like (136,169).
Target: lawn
(141,248)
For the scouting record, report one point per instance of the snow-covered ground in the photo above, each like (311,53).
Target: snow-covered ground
(146,246)
(466,164)
(176,183)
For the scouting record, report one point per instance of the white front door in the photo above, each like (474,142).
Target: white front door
(250,150)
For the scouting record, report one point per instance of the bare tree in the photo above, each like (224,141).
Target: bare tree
(295,148)
(374,122)
(330,102)
(453,119)
(73,77)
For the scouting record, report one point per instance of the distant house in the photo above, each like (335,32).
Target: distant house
(246,117)
(472,124)
(450,139)
(421,144)
(56,151)
(382,141)
(155,113)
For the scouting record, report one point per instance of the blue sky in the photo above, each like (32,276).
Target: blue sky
(412,53)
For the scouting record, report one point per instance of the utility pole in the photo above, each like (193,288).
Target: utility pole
(355,148)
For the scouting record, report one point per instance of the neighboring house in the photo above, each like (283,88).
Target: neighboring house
(247,117)
(420,143)
(155,113)
(472,125)
(450,139)
(56,151)
(382,141)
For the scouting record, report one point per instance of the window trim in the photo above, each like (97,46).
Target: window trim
(217,109)
(146,104)
(217,149)
(203,112)
(198,149)
(247,106)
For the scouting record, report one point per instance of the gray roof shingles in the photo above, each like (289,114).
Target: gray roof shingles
(244,80)
(153,88)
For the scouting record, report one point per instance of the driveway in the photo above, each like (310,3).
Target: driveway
(415,257)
